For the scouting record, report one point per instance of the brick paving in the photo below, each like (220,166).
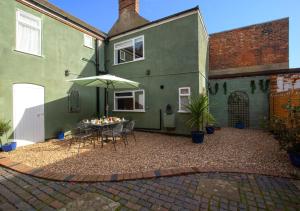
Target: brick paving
(200,191)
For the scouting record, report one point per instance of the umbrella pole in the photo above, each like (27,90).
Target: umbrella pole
(106,106)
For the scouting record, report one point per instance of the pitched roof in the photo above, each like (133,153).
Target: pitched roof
(157,21)
(44,4)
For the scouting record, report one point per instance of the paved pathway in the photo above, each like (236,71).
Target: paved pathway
(203,191)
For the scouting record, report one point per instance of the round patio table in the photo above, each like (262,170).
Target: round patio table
(101,127)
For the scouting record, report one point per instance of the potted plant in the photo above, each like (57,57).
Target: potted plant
(290,134)
(199,110)
(210,121)
(290,141)
(61,135)
(4,128)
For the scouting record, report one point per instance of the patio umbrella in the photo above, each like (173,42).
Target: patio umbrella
(106,81)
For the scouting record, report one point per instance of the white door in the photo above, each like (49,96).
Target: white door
(28,114)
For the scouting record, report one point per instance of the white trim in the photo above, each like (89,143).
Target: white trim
(63,20)
(133,97)
(122,56)
(132,40)
(40,28)
(180,110)
(130,111)
(183,112)
(203,24)
(154,24)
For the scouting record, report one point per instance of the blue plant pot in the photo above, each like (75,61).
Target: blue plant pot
(9,147)
(210,130)
(240,125)
(197,137)
(295,158)
(61,136)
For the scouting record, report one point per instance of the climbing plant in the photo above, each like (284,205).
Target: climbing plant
(253,86)
(264,87)
(215,91)
(225,88)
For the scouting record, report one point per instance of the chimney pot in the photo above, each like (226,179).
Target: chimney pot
(129,5)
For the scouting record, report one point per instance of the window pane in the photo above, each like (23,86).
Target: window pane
(88,41)
(124,94)
(28,39)
(124,104)
(139,100)
(123,44)
(184,100)
(184,91)
(28,20)
(139,48)
(125,55)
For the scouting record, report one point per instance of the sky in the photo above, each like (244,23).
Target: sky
(219,15)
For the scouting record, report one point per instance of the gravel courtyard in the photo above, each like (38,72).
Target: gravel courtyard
(228,150)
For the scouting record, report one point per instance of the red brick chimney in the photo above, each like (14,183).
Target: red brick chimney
(129,5)
(129,17)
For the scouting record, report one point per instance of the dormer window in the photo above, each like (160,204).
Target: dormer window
(129,50)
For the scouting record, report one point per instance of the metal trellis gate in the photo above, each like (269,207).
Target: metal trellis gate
(238,108)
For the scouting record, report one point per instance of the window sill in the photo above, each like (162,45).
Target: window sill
(31,54)
(130,111)
(184,112)
(88,47)
(137,60)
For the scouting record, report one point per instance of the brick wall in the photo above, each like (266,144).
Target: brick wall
(132,5)
(260,44)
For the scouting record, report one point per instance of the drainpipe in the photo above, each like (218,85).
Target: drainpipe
(97,73)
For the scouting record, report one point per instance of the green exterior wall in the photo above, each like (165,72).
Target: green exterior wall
(62,49)
(258,101)
(175,53)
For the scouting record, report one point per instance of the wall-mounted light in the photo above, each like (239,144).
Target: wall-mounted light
(148,72)
(67,73)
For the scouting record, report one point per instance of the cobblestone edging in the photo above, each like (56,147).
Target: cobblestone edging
(44,174)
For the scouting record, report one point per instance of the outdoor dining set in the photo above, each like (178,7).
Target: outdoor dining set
(102,130)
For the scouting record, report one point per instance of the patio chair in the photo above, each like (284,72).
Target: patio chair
(114,133)
(129,130)
(81,134)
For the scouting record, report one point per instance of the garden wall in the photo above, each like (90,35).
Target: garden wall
(283,88)
(258,99)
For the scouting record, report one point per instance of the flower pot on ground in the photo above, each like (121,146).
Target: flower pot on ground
(295,158)
(210,121)
(9,146)
(61,135)
(240,125)
(210,129)
(198,137)
(198,107)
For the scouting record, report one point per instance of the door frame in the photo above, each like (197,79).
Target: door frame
(13,108)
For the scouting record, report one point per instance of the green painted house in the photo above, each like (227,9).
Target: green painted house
(170,68)
(41,47)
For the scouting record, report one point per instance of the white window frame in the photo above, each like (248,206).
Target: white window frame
(132,40)
(180,110)
(36,18)
(133,96)
(86,36)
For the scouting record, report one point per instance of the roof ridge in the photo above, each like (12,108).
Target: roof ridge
(67,16)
